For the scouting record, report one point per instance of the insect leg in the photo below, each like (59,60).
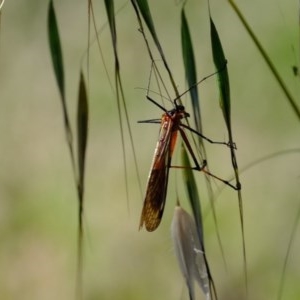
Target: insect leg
(202,168)
(228,144)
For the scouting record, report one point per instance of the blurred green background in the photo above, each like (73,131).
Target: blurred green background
(38,207)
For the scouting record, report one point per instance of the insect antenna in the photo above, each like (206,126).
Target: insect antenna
(203,79)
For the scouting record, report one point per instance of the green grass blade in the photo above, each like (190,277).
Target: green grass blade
(55,48)
(194,199)
(109,5)
(190,69)
(191,75)
(110,11)
(287,255)
(57,61)
(82,133)
(192,191)
(145,11)
(223,79)
(82,127)
(289,97)
(120,97)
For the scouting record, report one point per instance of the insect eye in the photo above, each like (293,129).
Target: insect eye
(172,112)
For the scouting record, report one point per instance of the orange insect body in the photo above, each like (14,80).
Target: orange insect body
(156,192)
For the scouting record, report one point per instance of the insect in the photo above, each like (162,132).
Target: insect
(156,191)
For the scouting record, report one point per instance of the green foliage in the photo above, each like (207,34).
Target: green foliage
(56,52)
(39,217)
(221,65)
(190,69)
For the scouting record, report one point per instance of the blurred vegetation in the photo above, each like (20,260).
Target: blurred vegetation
(38,215)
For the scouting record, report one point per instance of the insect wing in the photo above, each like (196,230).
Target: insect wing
(156,192)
